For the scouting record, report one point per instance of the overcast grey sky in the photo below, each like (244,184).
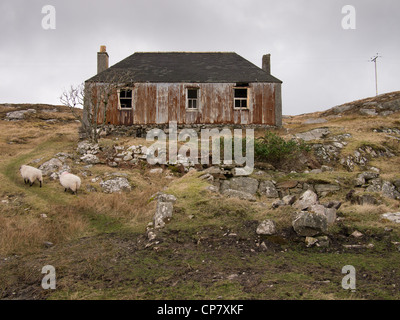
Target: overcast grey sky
(320,63)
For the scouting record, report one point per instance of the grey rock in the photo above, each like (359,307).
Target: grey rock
(314,134)
(315,121)
(394,217)
(51,166)
(368,112)
(243,184)
(19,114)
(268,189)
(309,224)
(267,227)
(164,197)
(114,185)
(319,188)
(156,171)
(163,213)
(113,164)
(330,213)
(90,159)
(333,204)
(289,199)
(230,193)
(340,109)
(389,190)
(306,200)
(278,203)
(85,147)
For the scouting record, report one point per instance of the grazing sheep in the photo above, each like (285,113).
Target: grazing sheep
(31,174)
(70,181)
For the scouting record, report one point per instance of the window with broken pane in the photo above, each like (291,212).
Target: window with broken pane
(125,98)
(240,100)
(192,98)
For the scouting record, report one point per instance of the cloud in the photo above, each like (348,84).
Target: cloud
(320,64)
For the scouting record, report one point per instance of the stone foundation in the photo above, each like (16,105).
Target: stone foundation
(140,131)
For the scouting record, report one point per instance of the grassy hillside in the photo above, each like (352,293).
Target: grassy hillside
(98,244)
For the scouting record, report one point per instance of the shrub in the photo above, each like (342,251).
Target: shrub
(275,150)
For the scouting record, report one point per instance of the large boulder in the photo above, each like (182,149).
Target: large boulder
(330,213)
(309,224)
(114,185)
(306,200)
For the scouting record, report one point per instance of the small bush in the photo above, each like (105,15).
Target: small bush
(275,150)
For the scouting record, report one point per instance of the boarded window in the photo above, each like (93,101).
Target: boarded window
(241,98)
(192,98)
(125,98)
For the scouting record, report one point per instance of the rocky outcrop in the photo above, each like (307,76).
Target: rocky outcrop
(19,114)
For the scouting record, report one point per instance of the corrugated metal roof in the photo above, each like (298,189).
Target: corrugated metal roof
(202,67)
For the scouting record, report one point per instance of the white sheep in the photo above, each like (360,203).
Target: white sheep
(31,174)
(70,181)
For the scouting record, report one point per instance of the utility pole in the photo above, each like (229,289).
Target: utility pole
(374,59)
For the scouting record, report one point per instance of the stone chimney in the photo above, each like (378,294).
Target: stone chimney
(266,63)
(102,59)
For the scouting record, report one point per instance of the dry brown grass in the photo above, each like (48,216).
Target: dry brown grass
(26,232)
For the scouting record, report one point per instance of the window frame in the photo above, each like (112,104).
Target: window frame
(192,99)
(119,98)
(247,88)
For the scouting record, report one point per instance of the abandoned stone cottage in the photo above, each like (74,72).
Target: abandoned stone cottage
(192,88)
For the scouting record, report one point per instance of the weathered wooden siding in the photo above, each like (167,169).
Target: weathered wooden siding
(159,103)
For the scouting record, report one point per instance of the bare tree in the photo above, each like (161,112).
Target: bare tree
(95,98)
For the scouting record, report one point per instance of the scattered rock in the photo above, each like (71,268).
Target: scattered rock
(51,166)
(268,189)
(329,213)
(243,184)
(394,217)
(156,171)
(18,115)
(239,194)
(163,214)
(309,224)
(315,121)
(289,199)
(114,185)
(267,227)
(306,200)
(357,234)
(90,159)
(314,134)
